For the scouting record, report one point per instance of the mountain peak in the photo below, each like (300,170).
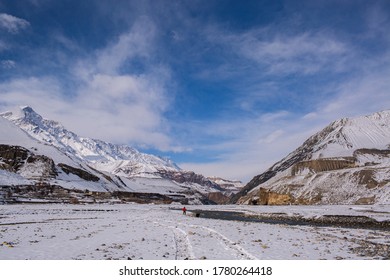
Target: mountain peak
(27,108)
(381,114)
(22,113)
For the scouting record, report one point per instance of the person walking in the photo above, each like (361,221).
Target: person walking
(184,210)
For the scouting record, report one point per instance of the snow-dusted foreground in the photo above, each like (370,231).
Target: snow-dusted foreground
(132,231)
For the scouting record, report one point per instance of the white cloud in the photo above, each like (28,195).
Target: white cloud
(130,107)
(91,113)
(12,24)
(44,94)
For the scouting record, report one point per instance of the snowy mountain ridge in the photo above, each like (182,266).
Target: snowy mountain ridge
(346,162)
(99,154)
(344,136)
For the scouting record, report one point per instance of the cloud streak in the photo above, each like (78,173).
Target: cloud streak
(282,53)
(8,64)
(12,24)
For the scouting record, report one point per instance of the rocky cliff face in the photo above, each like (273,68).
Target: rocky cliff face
(218,198)
(83,174)
(348,162)
(322,165)
(188,177)
(22,161)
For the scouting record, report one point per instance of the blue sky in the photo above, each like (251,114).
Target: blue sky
(223,88)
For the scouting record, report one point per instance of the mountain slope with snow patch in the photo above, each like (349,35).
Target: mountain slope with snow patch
(347,162)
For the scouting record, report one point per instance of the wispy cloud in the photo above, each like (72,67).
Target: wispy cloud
(8,64)
(280,53)
(304,53)
(361,95)
(12,24)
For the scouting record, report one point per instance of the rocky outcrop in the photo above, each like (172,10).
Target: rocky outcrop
(20,160)
(47,193)
(256,181)
(356,185)
(39,167)
(267,197)
(142,198)
(383,153)
(218,197)
(188,177)
(365,200)
(78,172)
(13,157)
(320,165)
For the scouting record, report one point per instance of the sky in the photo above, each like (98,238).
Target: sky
(223,88)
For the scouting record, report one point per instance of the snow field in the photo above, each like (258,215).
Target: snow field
(153,232)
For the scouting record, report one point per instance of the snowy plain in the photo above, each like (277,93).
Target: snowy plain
(162,232)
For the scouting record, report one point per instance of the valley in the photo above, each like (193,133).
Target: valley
(161,232)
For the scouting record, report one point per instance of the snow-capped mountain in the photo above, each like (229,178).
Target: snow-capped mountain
(117,159)
(229,186)
(87,164)
(347,162)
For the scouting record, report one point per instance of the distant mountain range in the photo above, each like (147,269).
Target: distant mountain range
(348,162)
(34,150)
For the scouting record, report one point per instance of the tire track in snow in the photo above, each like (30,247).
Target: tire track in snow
(183,247)
(229,244)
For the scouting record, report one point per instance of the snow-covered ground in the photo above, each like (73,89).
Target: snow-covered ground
(133,231)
